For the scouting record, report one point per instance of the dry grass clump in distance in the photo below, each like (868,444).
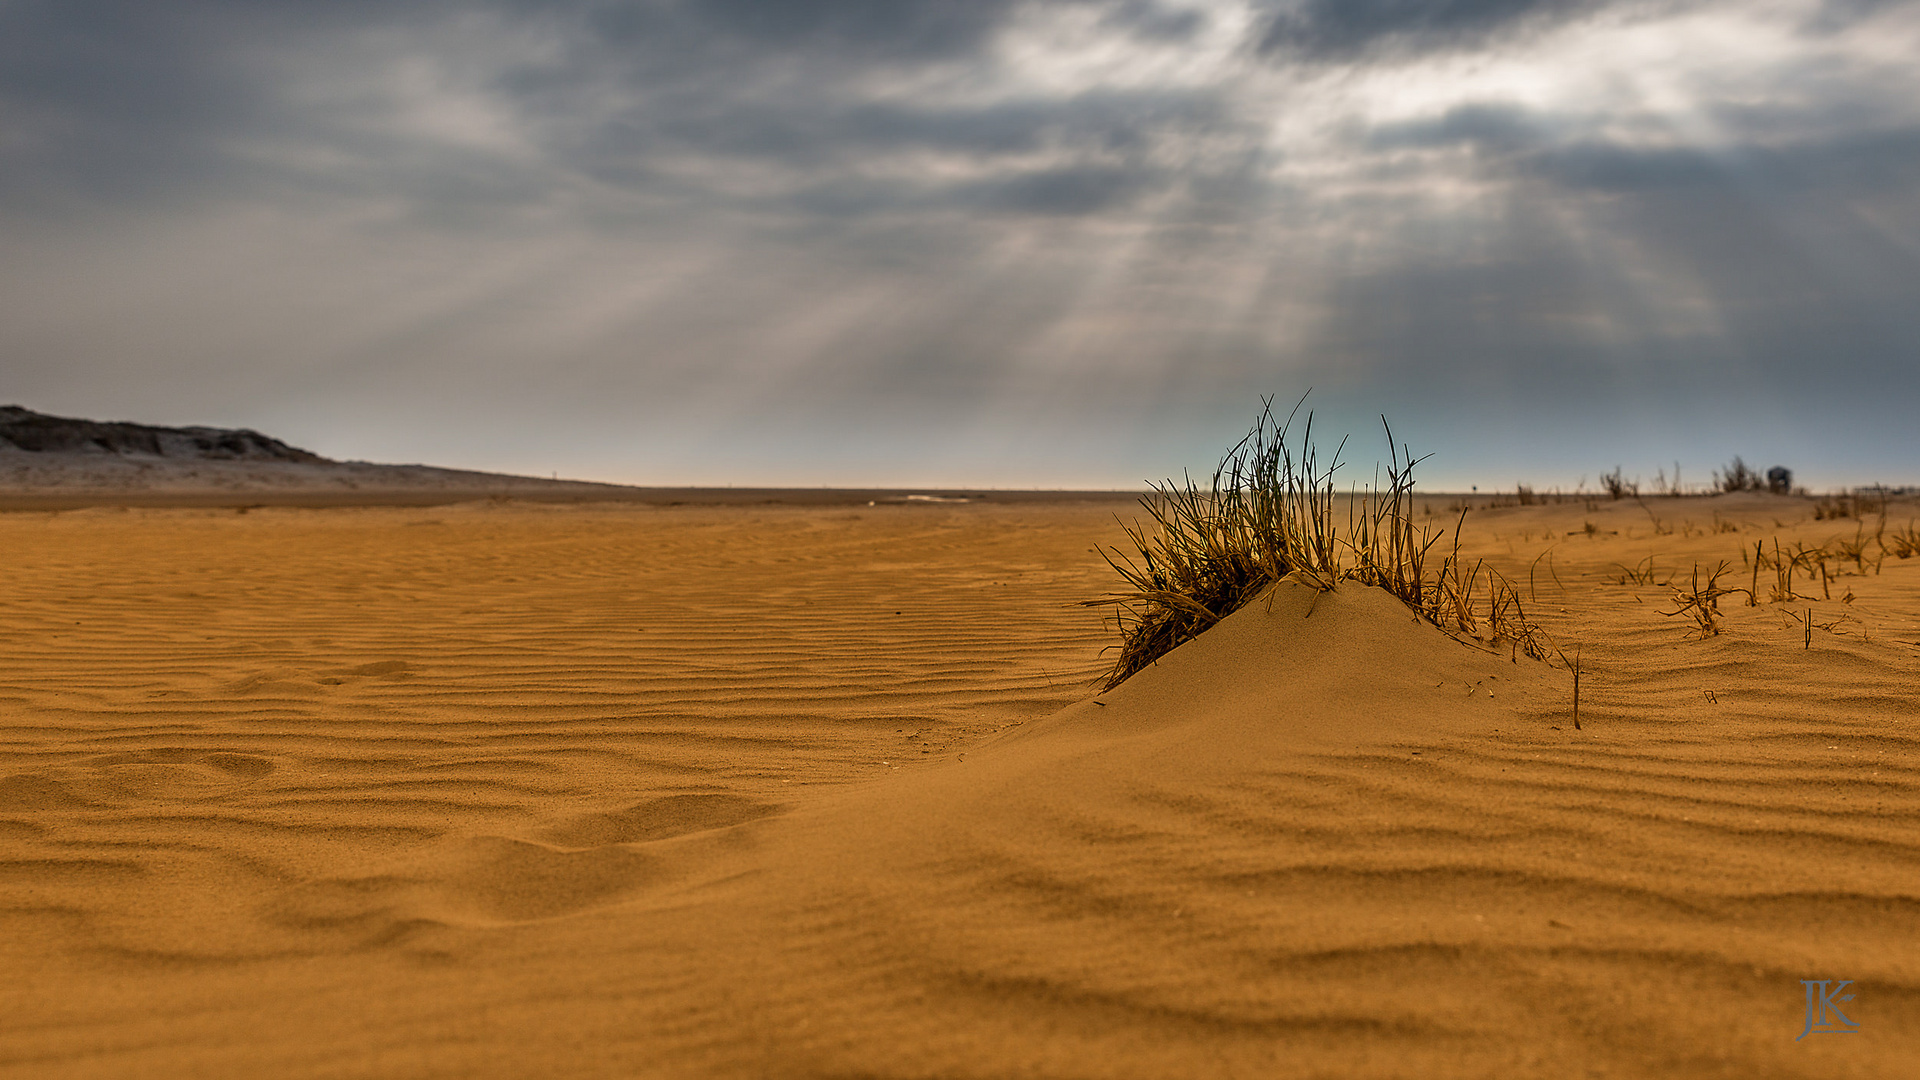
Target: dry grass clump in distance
(1737,476)
(1270,512)
(1858,504)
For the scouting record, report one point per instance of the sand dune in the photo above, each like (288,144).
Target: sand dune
(503,789)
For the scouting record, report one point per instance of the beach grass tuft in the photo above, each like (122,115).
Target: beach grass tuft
(1272,511)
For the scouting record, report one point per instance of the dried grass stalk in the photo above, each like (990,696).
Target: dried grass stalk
(1269,512)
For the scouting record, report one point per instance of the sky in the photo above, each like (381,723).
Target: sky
(1065,243)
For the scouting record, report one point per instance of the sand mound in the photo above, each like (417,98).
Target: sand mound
(1075,890)
(1300,668)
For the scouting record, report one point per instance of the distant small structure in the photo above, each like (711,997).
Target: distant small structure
(1780,480)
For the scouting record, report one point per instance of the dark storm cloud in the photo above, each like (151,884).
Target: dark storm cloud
(1067,192)
(1081,156)
(1344,29)
(1070,191)
(1822,169)
(1155,21)
(123,101)
(1834,15)
(807,135)
(828,135)
(914,28)
(1797,231)
(1795,156)
(118,101)
(116,96)
(894,29)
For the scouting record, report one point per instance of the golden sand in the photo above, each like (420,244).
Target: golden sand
(512,790)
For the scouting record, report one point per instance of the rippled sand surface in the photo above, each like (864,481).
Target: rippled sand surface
(506,790)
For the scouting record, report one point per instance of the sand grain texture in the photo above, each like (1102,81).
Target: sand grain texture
(628,791)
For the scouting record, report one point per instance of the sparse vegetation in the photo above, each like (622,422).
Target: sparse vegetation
(1640,573)
(1617,485)
(1808,624)
(1784,563)
(1270,513)
(1821,564)
(1855,549)
(1901,543)
(1738,477)
(1857,505)
(1701,602)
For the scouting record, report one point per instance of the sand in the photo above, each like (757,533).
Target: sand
(501,789)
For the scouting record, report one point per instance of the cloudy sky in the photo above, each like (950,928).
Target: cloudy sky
(994,242)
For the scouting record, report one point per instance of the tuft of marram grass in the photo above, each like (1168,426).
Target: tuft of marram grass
(1270,513)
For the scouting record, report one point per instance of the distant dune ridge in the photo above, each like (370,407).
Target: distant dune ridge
(24,429)
(53,461)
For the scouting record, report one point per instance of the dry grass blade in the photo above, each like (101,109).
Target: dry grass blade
(1617,485)
(1901,543)
(1702,602)
(1640,573)
(1268,513)
(1856,548)
(1783,563)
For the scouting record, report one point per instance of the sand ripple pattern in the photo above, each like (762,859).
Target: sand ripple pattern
(507,790)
